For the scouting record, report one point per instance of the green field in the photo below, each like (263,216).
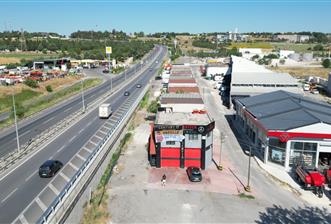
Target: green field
(263,45)
(29,102)
(299,48)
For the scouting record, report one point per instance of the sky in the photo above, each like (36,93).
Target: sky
(149,16)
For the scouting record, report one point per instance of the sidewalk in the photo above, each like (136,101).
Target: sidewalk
(273,171)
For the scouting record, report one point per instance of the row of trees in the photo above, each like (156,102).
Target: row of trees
(83,49)
(222,52)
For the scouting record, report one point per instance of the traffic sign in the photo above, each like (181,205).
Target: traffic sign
(108,50)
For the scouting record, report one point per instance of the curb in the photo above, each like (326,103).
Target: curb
(276,179)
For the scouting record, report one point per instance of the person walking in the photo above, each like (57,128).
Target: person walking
(163,180)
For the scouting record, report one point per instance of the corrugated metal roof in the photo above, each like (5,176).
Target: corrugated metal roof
(181,95)
(181,80)
(262,78)
(281,110)
(183,89)
(182,98)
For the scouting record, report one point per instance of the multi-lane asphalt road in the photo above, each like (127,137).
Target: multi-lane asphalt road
(28,129)
(23,184)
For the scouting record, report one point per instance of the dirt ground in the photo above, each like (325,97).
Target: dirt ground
(5,60)
(56,84)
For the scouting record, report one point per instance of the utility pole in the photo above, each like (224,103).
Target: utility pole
(248,187)
(15,119)
(111,75)
(222,140)
(83,101)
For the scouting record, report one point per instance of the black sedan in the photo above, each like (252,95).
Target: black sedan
(138,86)
(126,93)
(50,168)
(194,174)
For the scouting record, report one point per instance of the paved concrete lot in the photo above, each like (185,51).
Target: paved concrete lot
(137,196)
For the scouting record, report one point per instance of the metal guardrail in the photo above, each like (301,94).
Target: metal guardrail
(10,159)
(77,179)
(52,208)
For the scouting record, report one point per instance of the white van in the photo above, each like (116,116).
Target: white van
(105,110)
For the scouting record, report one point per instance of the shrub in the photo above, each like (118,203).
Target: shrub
(49,88)
(152,108)
(326,63)
(31,83)
(20,110)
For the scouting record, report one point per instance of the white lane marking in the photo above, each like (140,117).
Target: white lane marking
(53,188)
(29,177)
(24,133)
(60,149)
(48,120)
(81,131)
(50,158)
(70,140)
(8,196)
(67,109)
(41,204)
(64,177)
(88,124)
(73,166)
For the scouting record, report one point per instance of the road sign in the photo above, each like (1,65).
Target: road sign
(108,50)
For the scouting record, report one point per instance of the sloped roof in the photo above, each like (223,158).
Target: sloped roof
(281,110)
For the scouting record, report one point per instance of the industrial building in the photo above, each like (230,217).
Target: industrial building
(286,127)
(181,140)
(185,102)
(250,79)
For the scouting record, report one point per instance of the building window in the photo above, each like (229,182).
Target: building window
(303,152)
(170,142)
(193,137)
(277,151)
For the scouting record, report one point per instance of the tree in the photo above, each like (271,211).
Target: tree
(31,83)
(318,47)
(326,63)
(49,88)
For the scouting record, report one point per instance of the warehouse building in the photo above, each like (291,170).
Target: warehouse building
(181,140)
(286,127)
(250,79)
(184,102)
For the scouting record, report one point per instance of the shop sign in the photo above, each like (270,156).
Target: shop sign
(168,137)
(161,127)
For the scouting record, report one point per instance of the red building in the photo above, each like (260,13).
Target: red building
(181,140)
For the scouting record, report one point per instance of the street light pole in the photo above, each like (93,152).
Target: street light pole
(110,72)
(15,119)
(220,167)
(83,100)
(248,187)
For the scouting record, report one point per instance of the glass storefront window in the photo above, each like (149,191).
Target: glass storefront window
(277,151)
(303,152)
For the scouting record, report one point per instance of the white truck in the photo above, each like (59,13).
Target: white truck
(105,110)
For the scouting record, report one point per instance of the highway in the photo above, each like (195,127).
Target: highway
(23,184)
(30,128)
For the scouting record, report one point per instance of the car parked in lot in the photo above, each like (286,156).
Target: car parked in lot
(126,93)
(50,168)
(194,174)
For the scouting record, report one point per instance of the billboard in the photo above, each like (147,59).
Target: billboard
(108,50)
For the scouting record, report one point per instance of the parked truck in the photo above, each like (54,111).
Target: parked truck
(105,110)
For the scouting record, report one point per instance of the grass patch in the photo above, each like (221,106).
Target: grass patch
(299,48)
(97,209)
(30,103)
(144,102)
(20,98)
(263,45)
(246,196)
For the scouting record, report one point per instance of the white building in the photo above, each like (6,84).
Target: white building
(285,53)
